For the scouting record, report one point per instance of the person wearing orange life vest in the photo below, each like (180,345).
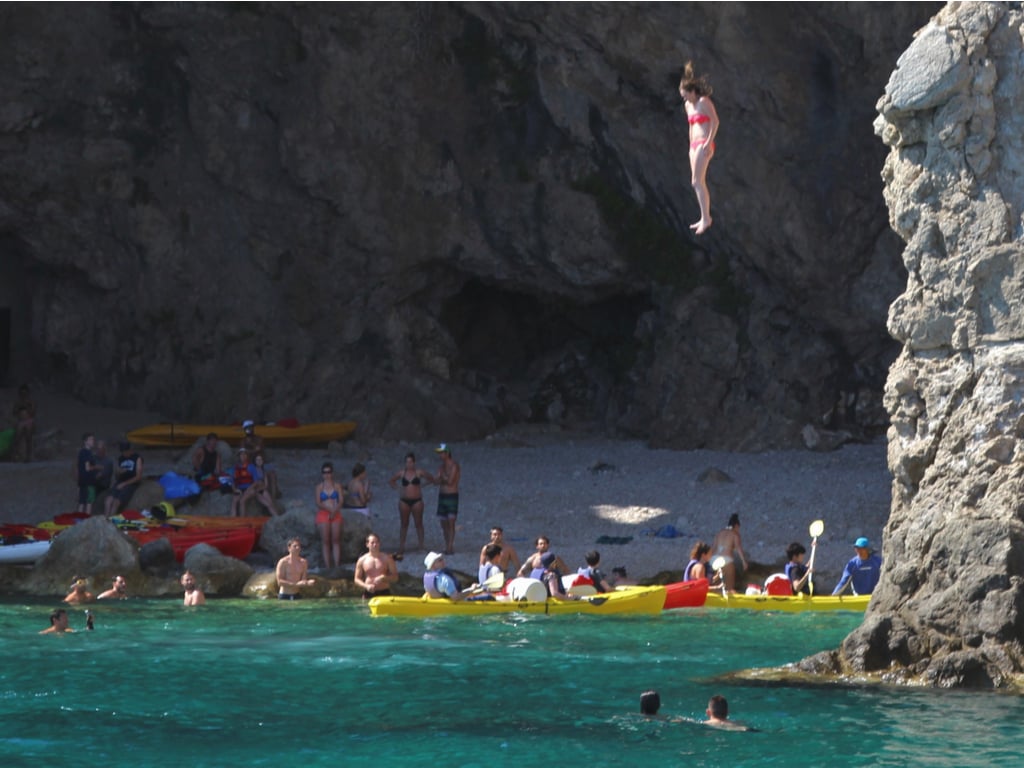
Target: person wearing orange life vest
(242,479)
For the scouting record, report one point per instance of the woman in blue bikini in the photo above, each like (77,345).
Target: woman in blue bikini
(328,515)
(703,121)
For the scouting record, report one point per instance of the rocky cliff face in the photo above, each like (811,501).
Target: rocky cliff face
(436,218)
(949,610)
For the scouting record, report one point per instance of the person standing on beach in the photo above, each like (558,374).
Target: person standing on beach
(105,467)
(410,502)
(292,572)
(24,425)
(508,553)
(328,515)
(448,496)
(86,471)
(727,544)
(375,571)
(357,493)
(703,121)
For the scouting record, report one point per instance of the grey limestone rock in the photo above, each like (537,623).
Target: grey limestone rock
(949,610)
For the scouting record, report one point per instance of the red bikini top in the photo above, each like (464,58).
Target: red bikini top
(697,118)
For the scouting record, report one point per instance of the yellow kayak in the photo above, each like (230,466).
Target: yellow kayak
(624,602)
(791,603)
(183,435)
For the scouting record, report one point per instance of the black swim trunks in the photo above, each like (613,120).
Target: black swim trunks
(447,504)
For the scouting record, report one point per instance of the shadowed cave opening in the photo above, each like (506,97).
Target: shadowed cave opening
(544,357)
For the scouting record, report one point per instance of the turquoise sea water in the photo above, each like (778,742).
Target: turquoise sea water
(320,683)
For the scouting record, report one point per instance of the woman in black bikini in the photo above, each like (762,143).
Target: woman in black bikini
(411,499)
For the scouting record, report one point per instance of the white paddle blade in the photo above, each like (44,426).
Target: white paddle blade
(497,581)
(718,563)
(817,528)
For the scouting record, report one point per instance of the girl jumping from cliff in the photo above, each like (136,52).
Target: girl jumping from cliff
(703,121)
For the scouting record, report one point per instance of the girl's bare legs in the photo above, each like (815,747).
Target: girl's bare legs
(700,158)
(417,516)
(336,527)
(325,539)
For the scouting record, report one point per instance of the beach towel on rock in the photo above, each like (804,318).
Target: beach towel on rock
(178,486)
(614,539)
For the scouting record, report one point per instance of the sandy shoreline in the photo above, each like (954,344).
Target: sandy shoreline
(573,488)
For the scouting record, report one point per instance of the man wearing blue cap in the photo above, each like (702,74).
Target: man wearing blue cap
(862,571)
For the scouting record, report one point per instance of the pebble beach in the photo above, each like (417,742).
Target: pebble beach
(583,491)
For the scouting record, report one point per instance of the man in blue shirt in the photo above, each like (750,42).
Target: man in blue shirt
(863,571)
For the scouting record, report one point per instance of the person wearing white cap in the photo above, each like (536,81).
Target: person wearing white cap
(863,571)
(438,581)
(448,496)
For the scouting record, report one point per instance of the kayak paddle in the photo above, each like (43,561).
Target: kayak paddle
(491,583)
(717,565)
(817,528)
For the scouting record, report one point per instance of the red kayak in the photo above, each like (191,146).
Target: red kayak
(237,542)
(686,594)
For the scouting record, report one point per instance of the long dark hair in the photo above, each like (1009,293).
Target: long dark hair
(690,81)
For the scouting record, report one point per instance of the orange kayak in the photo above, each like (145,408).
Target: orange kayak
(686,594)
(236,542)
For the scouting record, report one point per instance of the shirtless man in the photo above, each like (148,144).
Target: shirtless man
(193,595)
(292,572)
(534,561)
(375,572)
(117,591)
(58,623)
(727,544)
(448,497)
(508,553)
(79,592)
